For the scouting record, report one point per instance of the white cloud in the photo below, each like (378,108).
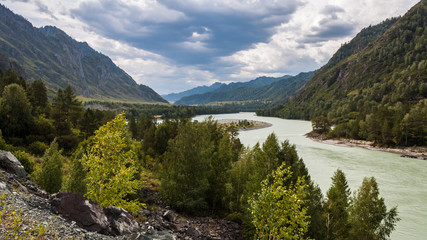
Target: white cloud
(288,51)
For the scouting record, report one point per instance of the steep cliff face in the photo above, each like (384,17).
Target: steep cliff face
(50,54)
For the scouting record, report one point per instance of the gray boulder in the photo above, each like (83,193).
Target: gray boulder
(10,164)
(120,221)
(91,216)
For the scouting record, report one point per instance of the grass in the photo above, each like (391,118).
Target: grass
(16,226)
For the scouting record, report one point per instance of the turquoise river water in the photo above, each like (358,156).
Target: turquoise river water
(402,181)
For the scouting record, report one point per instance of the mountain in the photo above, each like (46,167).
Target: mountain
(267,90)
(375,86)
(236,91)
(173,97)
(51,55)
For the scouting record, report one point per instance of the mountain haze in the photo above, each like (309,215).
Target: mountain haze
(51,55)
(172,97)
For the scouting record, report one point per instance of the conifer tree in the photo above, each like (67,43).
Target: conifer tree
(336,207)
(50,175)
(369,218)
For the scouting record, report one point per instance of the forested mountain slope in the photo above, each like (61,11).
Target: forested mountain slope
(261,89)
(51,55)
(375,86)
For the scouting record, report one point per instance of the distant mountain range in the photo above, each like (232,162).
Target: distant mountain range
(51,55)
(264,91)
(173,97)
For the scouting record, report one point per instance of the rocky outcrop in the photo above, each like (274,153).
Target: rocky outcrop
(68,215)
(185,227)
(91,216)
(10,164)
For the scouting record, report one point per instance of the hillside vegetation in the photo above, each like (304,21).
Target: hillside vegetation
(374,87)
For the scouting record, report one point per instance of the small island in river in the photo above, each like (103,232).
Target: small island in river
(244,124)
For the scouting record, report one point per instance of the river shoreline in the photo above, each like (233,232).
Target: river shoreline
(408,152)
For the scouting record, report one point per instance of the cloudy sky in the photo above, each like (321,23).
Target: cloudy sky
(174,45)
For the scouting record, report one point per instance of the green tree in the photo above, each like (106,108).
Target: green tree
(415,125)
(186,168)
(277,210)
(133,128)
(76,179)
(50,175)
(321,124)
(15,112)
(66,110)
(111,165)
(11,77)
(73,107)
(38,96)
(219,173)
(88,123)
(336,208)
(369,218)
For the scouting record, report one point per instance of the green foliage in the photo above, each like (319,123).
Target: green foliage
(26,160)
(38,148)
(414,125)
(219,174)
(336,208)
(111,165)
(92,119)
(11,77)
(76,179)
(38,96)
(66,110)
(321,124)
(186,168)
(368,216)
(277,210)
(49,176)
(15,112)
(3,144)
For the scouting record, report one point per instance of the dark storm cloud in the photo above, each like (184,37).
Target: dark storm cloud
(330,27)
(44,9)
(332,11)
(185,32)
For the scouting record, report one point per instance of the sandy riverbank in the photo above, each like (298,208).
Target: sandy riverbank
(409,152)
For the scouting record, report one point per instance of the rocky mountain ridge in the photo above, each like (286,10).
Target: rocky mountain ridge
(49,54)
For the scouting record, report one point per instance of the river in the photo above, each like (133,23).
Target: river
(402,181)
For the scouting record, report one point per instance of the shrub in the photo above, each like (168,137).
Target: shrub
(26,161)
(37,148)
